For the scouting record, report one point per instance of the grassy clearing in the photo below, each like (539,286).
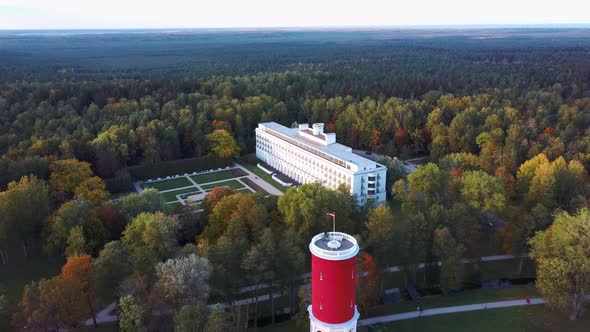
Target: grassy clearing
(169,184)
(234,184)
(170,196)
(217,176)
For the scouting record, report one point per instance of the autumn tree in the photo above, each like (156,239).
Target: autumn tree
(222,144)
(112,219)
(67,175)
(370,285)
(79,270)
(92,190)
(562,255)
(248,208)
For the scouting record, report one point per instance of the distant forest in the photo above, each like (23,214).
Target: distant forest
(121,99)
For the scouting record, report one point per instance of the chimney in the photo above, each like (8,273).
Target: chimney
(318,128)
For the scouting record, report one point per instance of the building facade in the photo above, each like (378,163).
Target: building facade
(309,155)
(333,283)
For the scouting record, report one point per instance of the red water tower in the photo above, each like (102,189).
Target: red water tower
(333,283)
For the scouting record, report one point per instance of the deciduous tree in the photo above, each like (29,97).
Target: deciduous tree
(562,255)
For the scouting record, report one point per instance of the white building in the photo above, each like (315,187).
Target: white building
(310,155)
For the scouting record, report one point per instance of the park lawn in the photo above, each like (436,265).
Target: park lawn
(218,176)
(234,184)
(169,184)
(261,174)
(244,191)
(170,196)
(461,298)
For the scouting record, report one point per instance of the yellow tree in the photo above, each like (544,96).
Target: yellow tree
(562,255)
(92,190)
(68,174)
(222,144)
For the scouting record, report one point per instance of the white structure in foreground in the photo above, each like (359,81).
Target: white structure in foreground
(310,155)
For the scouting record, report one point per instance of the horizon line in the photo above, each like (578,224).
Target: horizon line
(334,27)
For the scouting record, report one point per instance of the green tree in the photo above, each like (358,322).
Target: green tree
(304,208)
(149,200)
(222,144)
(24,206)
(130,315)
(191,318)
(562,255)
(482,191)
(110,268)
(450,252)
(382,235)
(219,320)
(150,238)
(76,242)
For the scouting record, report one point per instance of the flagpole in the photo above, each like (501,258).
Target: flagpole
(334,223)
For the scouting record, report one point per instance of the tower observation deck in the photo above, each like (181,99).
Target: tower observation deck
(333,283)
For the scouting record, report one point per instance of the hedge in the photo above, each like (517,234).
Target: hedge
(180,166)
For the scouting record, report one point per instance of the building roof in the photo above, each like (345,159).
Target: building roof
(336,150)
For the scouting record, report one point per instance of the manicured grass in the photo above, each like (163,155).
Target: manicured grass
(234,184)
(169,184)
(217,176)
(170,196)
(261,174)
(244,191)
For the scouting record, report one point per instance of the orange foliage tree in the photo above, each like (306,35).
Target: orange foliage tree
(369,285)
(79,271)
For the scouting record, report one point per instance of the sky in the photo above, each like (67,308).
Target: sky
(142,14)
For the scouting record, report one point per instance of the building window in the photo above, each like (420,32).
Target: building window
(371,192)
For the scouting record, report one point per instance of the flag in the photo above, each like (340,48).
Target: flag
(331,214)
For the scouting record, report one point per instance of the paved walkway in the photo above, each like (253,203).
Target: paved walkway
(263,184)
(104,316)
(448,310)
